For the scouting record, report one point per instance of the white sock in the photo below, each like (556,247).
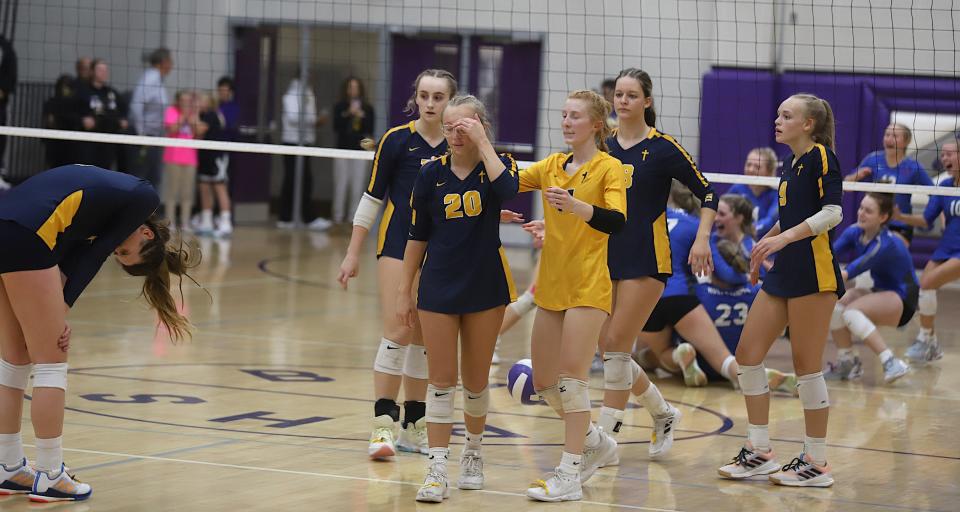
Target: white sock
(885,356)
(593,436)
(725,370)
(224,218)
(759,437)
(653,401)
(206,217)
(844,353)
(925,333)
(473,441)
(439,455)
(50,454)
(816,449)
(571,463)
(11,450)
(610,420)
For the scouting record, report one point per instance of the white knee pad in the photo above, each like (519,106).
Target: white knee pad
(619,371)
(50,376)
(14,376)
(753,380)
(927,303)
(440,404)
(574,395)
(415,365)
(524,304)
(859,325)
(476,404)
(836,319)
(813,391)
(390,357)
(551,396)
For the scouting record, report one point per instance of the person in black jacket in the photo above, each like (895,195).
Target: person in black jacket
(8,84)
(352,122)
(100,109)
(59,114)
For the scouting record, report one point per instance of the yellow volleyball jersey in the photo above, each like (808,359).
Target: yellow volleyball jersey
(573,264)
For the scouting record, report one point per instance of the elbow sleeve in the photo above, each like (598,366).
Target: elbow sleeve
(607,221)
(825,220)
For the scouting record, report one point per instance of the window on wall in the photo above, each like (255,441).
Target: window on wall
(488,73)
(447,56)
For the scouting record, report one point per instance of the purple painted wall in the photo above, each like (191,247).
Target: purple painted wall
(411,55)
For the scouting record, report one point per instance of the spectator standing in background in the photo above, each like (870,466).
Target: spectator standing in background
(181,121)
(212,172)
(59,114)
(352,122)
(100,109)
(299,128)
(8,84)
(84,69)
(147,110)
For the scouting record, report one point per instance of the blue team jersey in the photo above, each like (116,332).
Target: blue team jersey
(682,228)
(765,212)
(806,266)
(465,269)
(82,213)
(950,208)
(907,172)
(728,308)
(885,256)
(723,270)
(642,247)
(400,154)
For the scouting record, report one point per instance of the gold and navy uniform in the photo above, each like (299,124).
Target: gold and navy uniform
(573,263)
(74,216)
(806,266)
(642,248)
(465,270)
(400,155)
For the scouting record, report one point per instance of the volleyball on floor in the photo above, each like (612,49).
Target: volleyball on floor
(520,383)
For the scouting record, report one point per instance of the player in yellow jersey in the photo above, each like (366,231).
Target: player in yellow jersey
(584,201)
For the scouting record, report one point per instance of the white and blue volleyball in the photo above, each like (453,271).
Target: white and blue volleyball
(520,383)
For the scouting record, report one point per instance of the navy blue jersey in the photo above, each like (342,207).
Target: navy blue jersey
(723,270)
(885,256)
(400,155)
(82,213)
(765,212)
(907,172)
(806,266)
(728,308)
(642,247)
(682,228)
(465,269)
(950,208)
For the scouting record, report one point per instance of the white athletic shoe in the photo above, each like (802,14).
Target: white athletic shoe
(413,437)
(661,439)
(924,350)
(893,369)
(48,488)
(559,487)
(749,463)
(435,487)
(16,479)
(598,456)
(693,376)
(383,439)
(471,470)
(802,473)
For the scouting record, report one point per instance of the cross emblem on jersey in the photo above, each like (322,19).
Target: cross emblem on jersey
(800,168)
(482,174)
(584,177)
(645,153)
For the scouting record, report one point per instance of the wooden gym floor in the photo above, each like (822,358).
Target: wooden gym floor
(269,408)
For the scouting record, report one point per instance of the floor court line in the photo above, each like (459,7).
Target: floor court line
(168,453)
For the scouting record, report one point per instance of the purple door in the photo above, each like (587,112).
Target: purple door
(411,55)
(255,65)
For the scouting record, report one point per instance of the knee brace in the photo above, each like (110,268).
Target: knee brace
(14,376)
(836,319)
(813,391)
(50,376)
(476,404)
(524,304)
(390,357)
(551,396)
(440,404)
(858,323)
(753,380)
(574,395)
(927,303)
(415,364)
(619,371)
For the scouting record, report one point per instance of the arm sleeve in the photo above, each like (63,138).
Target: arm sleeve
(684,169)
(136,108)
(340,123)
(920,176)
(829,180)
(767,219)
(368,120)
(507,184)
(384,162)
(870,259)
(607,221)
(846,241)
(420,223)
(139,204)
(530,177)
(933,210)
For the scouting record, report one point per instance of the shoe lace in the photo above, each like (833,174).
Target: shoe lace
(472,464)
(741,458)
(795,464)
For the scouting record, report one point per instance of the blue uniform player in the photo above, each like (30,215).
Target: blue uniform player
(944,264)
(891,302)
(57,229)
(465,283)
(639,255)
(760,162)
(401,153)
(892,165)
(800,290)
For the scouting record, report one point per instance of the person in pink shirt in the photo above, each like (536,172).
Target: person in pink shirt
(181,121)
